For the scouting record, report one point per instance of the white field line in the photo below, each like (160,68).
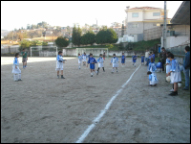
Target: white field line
(97,119)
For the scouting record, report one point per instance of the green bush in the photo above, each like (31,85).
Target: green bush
(62,42)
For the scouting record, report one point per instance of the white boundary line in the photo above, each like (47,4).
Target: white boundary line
(97,119)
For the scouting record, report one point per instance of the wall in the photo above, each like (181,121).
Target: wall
(149,15)
(73,52)
(132,19)
(10,49)
(154,33)
(173,41)
(138,30)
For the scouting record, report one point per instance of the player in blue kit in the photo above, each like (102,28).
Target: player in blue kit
(92,62)
(123,59)
(142,59)
(134,59)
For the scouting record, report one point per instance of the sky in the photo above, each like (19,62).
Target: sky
(17,14)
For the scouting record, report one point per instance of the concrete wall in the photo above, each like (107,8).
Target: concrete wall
(173,41)
(154,33)
(73,52)
(137,30)
(9,49)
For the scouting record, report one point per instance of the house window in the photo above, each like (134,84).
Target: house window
(156,14)
(135,14)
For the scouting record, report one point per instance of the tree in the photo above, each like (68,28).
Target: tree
(24,44)
(88,38)
(62,42)
(76,35)
(106,36)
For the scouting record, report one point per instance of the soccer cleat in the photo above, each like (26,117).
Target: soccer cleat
(19,80)
(91,75)
(62,78)
(173,94)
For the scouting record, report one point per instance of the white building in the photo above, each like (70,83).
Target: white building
(140,19)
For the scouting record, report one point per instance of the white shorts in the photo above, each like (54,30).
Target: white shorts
(59,66)
(84,59)
(100,65)
(154,80)
(16,70)
(175,77)
(115,64)
(167,69)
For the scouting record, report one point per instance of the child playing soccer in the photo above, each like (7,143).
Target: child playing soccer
(16,70)
(25,58)
(79,61)
(142,59)
(59,64)
(174,73)
(92,62)
(114,62)
(152,78)
(84,56)
(134,59)
(100,61)
(104,56)
(123,59)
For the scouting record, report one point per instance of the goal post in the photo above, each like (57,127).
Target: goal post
(94,51)
(43,51)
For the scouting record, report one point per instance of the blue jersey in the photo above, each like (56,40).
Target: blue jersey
(142,58)
(134,58)
(122,59)
(153,56)
(92,62)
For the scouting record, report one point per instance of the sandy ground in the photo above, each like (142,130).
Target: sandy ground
(43,108)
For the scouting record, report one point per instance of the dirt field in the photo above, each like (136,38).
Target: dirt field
(44,109)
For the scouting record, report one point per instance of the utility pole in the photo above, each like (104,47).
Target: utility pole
(164,30)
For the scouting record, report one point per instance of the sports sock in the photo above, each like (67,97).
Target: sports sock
(19,76)
(15,77)
(98,69)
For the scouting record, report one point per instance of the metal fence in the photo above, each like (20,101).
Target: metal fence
(178,50)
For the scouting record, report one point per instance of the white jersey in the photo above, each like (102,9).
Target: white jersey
(59,63)
(16,64)
(84,58)
(114,62)
(80,58)
(100,61)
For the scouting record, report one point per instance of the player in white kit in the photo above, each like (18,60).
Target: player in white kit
(100,61)
(80,58)
(60,64)
(15,70)
(84,56)
(114,63)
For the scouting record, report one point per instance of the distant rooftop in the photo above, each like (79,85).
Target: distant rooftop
(145,7)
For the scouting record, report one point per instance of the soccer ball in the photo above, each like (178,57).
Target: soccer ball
(159,65)
(179,84)
(168,78)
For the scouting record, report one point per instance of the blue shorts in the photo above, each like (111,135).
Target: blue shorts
(92,66)
(123,61)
